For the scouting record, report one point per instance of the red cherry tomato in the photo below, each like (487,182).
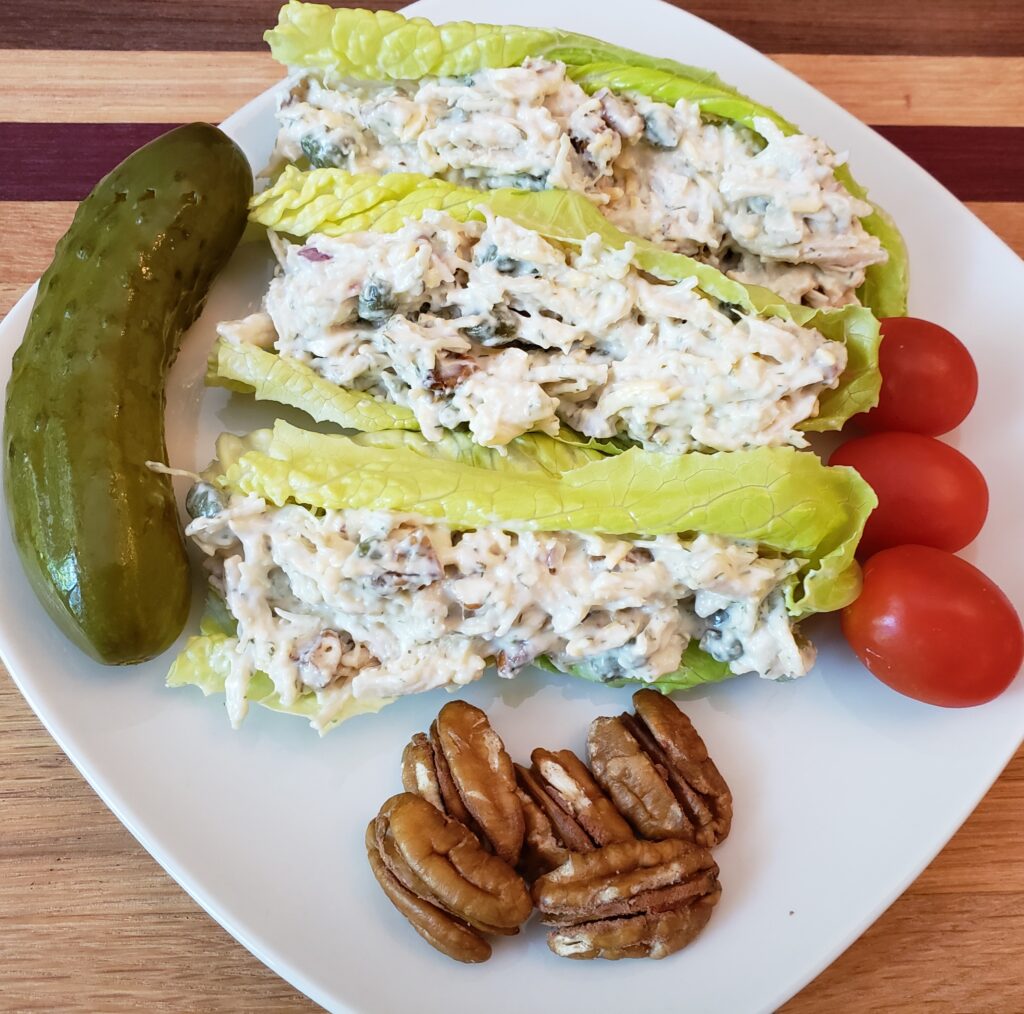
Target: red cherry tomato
(933,627)
(928,492)
(929,381)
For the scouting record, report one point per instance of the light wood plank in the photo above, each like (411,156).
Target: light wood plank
(1006,220)
(90,86)
(29,230)
(943,955)
(949,91)
(10,293)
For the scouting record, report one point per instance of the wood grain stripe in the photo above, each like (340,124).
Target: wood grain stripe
(993,27)
(1006,220)
(29,230)
(88,86)
(62,161)
(10,293)
(976,163)
(905,90)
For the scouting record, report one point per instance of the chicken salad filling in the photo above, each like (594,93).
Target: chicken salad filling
(376,604)
(491,326)
(763,207)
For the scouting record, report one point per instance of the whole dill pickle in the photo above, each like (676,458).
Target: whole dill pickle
(98,531)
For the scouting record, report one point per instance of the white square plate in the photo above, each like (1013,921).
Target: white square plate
(843,790)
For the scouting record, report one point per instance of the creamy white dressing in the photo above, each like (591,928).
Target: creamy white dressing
(757,205)
(369,605)
(491,326)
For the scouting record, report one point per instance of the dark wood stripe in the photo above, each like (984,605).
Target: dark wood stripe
(989,28)
(917,28)
(148,24)
(976,163)
(62,161)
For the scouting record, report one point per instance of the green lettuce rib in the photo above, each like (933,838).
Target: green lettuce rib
(269,377)
(786,501)
(334,203)
(383,45)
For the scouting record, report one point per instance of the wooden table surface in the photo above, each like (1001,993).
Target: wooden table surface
(88,921)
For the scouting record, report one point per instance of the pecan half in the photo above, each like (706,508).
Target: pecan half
(567,781)
(630,899)
(542,846)
(562,827)
(419,775)
(656,768)
(464,770)
(436,872)
(448,935)
(639,790)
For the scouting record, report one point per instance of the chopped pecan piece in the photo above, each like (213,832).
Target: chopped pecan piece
(656,768)
(436,872)
(450,372)
(569,783)
(631,899)
(464,770)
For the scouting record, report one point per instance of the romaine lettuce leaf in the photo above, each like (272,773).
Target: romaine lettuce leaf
(780,498)
(383,45)
(334,203)
(268,376)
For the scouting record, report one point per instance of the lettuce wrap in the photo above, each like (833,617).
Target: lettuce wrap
(346,45)
(332,203)
(793,507)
